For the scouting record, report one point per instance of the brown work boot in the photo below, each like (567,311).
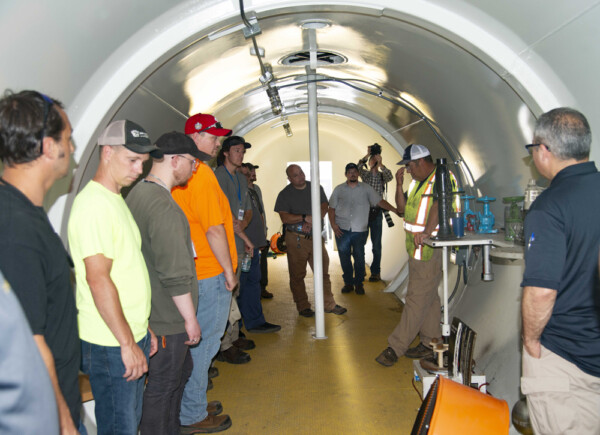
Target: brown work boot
(375,278)
(265,294)
(307,312)
(243,343)
(348,288)
(387,358)
(211,424)
(338,309)
(214,408)
(233,356)
(418,352)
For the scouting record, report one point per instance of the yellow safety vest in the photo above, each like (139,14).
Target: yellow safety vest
(416,213)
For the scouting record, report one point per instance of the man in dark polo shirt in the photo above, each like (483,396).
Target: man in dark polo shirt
(561,294)
(35,148)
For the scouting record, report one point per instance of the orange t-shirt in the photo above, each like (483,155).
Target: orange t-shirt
(205,205)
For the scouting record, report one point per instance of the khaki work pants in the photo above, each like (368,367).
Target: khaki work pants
(562,399)
(299,253)
(422,310)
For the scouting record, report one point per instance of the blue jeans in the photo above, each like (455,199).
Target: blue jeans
(118,406)
(264,270)
(249,298)
(213,310)
(352,244)
(375,228)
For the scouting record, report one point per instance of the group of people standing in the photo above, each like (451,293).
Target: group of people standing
(155,272)
(158,274)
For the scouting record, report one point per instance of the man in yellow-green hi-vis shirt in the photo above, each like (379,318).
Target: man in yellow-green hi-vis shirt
(421,314)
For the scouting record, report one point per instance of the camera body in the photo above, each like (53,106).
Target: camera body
(375,149)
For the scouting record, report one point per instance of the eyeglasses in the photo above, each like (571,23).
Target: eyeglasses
(215,125)
(48,103)
(196,162)
(529,146)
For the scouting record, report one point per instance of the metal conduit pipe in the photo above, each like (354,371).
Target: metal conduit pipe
(315,183)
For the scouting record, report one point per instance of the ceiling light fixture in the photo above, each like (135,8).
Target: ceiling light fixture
(251,30)
(315,23)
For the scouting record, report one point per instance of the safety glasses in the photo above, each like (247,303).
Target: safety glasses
(196,162)
(531,145)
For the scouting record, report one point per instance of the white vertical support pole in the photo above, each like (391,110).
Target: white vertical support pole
(445,325)
(315,183)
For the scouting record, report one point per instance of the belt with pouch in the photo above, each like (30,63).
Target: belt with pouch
(297,228)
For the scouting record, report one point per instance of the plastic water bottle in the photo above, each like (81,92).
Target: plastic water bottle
(531,193)
(246,262)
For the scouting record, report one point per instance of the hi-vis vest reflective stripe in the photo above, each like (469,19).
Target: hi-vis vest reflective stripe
(416,213)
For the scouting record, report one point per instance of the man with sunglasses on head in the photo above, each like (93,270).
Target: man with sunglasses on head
(561,286)
(35,149)
(211,224)
(421,313)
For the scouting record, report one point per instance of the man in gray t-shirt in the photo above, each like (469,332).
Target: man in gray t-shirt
(249,298)
(349,216)
(249,171)
(235,188)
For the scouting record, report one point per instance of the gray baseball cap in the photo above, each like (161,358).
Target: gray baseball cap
(131,135)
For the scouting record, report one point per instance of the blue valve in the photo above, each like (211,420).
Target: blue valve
(467,211)
(486,219)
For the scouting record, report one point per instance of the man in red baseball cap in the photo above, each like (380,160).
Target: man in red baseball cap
(201,122)
(211,225)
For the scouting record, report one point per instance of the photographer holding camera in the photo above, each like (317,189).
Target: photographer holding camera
(377,177)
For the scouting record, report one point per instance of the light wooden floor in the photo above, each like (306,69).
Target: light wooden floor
(296,384)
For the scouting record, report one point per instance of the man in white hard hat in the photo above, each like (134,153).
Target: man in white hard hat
(421,313)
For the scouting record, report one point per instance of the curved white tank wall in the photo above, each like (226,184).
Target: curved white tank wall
(482,70)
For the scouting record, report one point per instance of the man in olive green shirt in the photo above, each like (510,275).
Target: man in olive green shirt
(169,255)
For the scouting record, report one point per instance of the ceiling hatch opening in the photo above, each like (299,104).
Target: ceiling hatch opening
(324,58)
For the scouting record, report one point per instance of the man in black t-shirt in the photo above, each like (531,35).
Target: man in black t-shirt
(294,208)
(561,286)
(35,148)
